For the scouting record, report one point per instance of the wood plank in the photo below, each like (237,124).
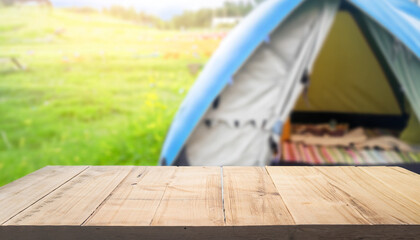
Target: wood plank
(311,199)
(389,206)
(399,179)
(25,191)
(250,198)
(75,201)
(187,203)
(192,198)
(135,201)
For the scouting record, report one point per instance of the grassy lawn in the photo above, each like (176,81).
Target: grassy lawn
(96,90)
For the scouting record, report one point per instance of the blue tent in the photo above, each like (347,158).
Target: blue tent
(397,19)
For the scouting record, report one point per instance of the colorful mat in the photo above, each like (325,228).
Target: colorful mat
(319,155)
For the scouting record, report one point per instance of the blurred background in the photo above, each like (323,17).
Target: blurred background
(98,82)
(93,82)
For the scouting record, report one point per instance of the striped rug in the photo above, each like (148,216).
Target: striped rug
(320,155)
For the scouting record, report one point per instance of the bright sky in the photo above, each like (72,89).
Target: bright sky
(163,8)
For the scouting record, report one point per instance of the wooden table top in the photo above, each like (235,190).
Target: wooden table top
(260,201)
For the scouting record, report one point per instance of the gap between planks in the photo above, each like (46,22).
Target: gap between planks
(162,196)
(107,197)
(343,195)
(161,199)
(74,201)
(223,195)
(177,176)
(281,197)
(111,210)
(45,195)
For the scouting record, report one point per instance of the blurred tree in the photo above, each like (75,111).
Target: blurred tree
(258,1)
(12,2)
(203,17)
(189,19)
(132,15)
(6,2)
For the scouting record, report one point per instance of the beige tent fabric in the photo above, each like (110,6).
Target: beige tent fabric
(219,144)
(263,92)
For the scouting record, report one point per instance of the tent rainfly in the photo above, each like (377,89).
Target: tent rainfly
(345,56)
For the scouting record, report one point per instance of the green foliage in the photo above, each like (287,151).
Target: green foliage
(96,90)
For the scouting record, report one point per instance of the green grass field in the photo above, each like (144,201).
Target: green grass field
(96,90)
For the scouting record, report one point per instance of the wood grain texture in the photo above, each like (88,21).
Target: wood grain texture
(22,193)
(399,179)
(74,201)
(213,203)
(250,198)
(311,198)
(135,201)
(386,205)
(193,197)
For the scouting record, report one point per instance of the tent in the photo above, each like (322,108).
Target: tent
(354,59)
